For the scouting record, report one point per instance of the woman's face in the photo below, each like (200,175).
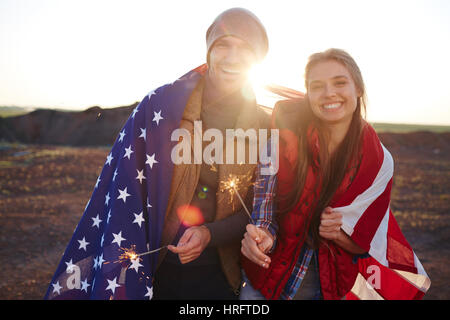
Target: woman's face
(332,93)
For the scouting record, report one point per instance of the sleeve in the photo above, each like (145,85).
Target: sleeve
(263,201)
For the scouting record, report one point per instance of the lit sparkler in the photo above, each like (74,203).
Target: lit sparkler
(130,254)
(231,185)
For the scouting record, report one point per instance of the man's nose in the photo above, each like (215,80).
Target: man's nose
(233,55)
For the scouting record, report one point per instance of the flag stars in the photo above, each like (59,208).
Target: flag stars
(135,110)
(70,265)
(109,216)
(149,293)
(109,159)
(138,218)
(56,287)
(97,221)
(118,238)
(123,195)
(102,240)
(98,181)
(157,117)
(85,285)
(112,285)
(128,152)
(151,160)
(107,198)
(122,135)
(135,265)
(100,260)
(83,244)
(150,94)
(140,176)
(143,134)
(95,263)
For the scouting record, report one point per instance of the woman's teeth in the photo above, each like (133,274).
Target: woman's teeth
(332,106)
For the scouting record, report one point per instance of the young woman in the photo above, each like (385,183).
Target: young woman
(323,223)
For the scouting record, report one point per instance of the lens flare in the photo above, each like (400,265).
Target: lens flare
(190,215)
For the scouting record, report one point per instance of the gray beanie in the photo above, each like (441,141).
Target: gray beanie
(240,23)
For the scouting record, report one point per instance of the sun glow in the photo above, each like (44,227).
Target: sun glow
(264,78)
(260,76)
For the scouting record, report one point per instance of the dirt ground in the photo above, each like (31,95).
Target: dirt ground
(44,189)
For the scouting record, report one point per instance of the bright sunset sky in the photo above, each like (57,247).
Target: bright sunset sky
(77,54)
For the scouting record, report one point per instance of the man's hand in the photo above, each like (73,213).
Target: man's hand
(256,242)
(192,243)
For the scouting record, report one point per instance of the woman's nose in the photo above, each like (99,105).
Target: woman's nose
(329,91)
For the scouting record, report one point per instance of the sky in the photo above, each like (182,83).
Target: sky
(78,54)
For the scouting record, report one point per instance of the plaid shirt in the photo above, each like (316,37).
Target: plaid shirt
(263,214)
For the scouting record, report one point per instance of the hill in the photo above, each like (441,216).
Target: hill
(99,127)
(91,127)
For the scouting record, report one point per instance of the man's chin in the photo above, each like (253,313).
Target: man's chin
(229,88)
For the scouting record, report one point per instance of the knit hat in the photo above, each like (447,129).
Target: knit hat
(240,23)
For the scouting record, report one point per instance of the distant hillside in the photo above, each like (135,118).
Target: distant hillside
(402,128)
(91,127)
(100,127)
(14,111)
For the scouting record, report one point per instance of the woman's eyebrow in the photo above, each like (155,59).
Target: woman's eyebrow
(340,76)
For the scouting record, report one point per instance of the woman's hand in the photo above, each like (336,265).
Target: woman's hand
(330,229)
(257,242)
(330,224)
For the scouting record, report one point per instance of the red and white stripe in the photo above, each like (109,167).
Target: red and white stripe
(392,271)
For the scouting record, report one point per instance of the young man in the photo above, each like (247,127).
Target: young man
(163,228)
(203,261)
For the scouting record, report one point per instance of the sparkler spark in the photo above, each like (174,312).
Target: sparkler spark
(130,254)
(232,185)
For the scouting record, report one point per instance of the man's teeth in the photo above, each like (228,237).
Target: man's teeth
(332,106)
(231,71)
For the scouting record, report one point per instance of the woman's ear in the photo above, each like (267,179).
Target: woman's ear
(359,92)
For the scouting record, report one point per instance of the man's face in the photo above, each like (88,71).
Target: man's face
(230,59)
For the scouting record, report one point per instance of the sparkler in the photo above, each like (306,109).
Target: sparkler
(130,254)
(150,252)
(231,185)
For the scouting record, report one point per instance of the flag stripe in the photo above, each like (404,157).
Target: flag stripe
(369,222)
(354,210)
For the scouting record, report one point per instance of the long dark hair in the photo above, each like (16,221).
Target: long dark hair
(331,167)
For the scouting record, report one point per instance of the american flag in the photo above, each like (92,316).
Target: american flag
(392,269)
(127,207)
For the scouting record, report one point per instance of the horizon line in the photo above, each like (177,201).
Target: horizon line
(72,109)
